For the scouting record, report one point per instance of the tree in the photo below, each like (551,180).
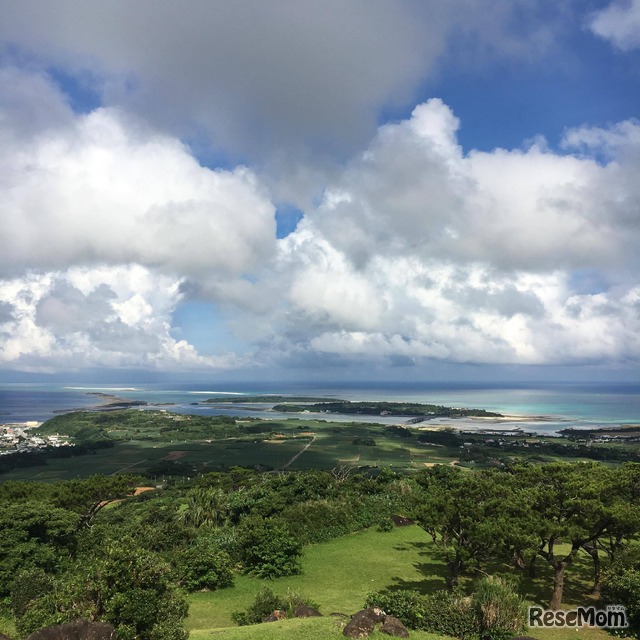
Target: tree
(125,585)
(467,514)
(576,504)
(621,586)
(35,534)
(203,565)
(267,548)
(206,507)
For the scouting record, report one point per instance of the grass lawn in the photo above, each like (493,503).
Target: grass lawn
(298,629)
(339,574)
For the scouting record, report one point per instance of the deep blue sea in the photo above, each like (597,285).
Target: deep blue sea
(562,405)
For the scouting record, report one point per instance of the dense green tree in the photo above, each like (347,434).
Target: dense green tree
(467,514)
(621,586)
(125,585)
(570,504)
(34,534)
(267,549)
(203,565)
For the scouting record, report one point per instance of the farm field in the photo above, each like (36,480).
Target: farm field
(158,453)
(158,443)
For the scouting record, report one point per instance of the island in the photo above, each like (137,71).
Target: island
(425,411)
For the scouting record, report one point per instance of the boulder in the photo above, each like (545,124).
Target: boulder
(305,611)
(374,613)
(393,627)
(78,630)
(278,614)
(363,622)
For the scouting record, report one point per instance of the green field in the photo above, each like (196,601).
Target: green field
(339,574)
(161,444)
(140,450)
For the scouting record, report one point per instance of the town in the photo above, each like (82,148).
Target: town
(16,438)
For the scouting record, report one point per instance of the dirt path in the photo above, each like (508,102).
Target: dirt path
(294,458)
(128,467)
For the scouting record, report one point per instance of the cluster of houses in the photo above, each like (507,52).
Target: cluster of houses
(18,438)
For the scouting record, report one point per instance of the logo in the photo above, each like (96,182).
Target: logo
(613,617)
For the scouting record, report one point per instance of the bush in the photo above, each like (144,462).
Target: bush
(29,585)
(621,585)
(446,613)
(499,608)
(267,549)
(266,602)
(123,584)
(408,606)
(449,613)
(386,525)
(203,565)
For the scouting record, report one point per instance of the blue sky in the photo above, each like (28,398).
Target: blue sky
(347,188)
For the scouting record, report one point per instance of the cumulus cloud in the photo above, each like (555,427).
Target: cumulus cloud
(414,190)
(101,188)
(96,316)
(104,222)
(419,250)
(619,23)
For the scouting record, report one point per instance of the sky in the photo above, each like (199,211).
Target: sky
(320,189)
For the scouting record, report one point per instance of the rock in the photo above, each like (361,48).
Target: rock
(393,627)
(305,611)
(401,521)
(78,630)
(3,637)
(278,614)
(363,622)
(374,613)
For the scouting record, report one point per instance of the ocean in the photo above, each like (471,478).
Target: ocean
(539,408)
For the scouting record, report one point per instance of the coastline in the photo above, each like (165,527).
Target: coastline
(543,409)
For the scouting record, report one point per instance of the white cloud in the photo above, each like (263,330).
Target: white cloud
(416,250)
(413,190)
(620,23)
(96,317)
(419,250)
(101,188)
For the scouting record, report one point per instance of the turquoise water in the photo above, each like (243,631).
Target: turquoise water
(562,405)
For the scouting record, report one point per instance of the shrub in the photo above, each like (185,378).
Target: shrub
(449,613)
(266,602)
(267,549)
(500,610)
(385,525)
(29,585)
(203,565)
(125,585)
(408,606)
(621,585)
(446,613)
